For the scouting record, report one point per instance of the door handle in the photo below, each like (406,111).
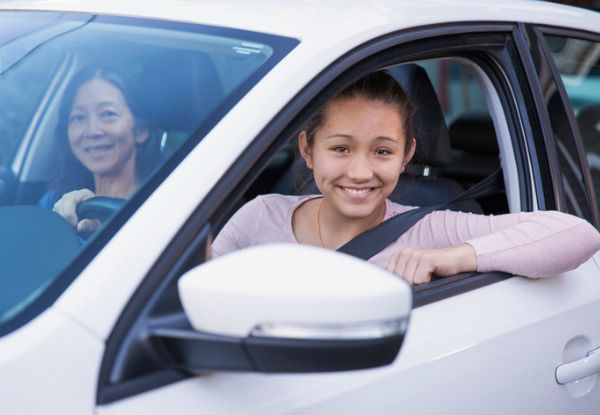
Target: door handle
(578,369)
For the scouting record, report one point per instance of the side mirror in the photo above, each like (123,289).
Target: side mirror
(289,308)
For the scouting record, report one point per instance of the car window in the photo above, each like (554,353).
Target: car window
(577,61)
(80,95)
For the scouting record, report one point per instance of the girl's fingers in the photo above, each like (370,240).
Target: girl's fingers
(410,270)
(423,273)
(391,267)
(398,264)
(413,265)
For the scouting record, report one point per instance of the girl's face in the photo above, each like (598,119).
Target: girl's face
(357,155)
(101,129)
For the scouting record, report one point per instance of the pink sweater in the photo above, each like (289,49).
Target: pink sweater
(533,244)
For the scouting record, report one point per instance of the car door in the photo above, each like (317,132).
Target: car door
(474,343)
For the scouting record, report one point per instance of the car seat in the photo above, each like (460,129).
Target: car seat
(476,155)
(474,147)
(418,186)
(181,88)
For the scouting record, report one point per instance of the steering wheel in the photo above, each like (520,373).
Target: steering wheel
(98,207)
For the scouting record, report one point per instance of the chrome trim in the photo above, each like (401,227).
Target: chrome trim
(351,331)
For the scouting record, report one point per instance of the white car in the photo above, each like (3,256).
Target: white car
(137,320)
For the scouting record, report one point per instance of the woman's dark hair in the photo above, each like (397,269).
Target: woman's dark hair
(70,173)
(376,86)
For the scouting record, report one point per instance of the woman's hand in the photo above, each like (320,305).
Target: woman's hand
(66,207)
(418,265)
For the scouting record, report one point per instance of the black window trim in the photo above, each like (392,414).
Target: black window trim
(542,154)
(568,32)
(376,53)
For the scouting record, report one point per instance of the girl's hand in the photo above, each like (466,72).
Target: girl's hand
(66,207)
(418,265)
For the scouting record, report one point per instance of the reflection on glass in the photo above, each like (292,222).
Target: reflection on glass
(578,63)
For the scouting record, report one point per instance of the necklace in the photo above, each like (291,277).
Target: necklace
(319,222)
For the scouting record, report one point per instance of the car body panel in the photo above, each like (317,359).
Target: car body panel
(42,348)
(450,343)
(307,19)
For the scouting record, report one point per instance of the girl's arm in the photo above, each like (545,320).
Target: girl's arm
(241,229)
(533,244)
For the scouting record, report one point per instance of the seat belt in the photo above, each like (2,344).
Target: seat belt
(373,241)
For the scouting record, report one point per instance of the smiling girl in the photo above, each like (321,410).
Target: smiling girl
(357,146)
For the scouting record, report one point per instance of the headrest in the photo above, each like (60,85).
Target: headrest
(429,125)
(181,88)
(588,120)
(473,132)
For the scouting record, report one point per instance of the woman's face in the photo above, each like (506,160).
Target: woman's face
(101,129)
(357,155)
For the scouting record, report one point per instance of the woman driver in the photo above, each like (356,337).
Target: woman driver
(105,145)
(357,145)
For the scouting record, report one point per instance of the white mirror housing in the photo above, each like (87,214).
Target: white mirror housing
(295,291)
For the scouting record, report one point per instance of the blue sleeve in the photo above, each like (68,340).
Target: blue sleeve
(49,199)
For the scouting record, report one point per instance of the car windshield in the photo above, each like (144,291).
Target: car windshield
(79,95)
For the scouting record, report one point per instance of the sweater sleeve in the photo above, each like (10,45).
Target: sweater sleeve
(239,230)
(49,199)
(532,244)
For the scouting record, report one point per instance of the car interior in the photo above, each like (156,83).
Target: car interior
(451,155)
(184,85)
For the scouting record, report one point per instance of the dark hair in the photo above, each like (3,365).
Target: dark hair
(376,86)
(70,173)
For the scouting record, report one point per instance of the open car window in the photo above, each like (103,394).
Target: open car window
(457,147)
(186,77)
(462,150)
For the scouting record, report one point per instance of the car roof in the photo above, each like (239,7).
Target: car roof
(332,18)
